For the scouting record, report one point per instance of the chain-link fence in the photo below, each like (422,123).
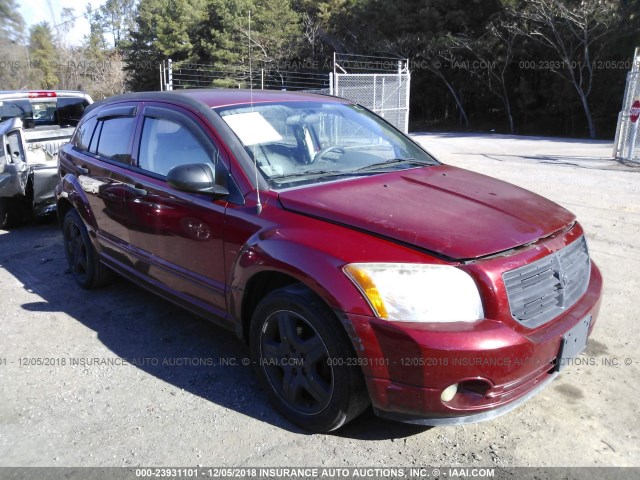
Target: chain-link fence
(627,141)
(385,94)
(369,82)
(176,76)
(381,84)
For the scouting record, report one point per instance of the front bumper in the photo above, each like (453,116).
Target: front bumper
(497,366)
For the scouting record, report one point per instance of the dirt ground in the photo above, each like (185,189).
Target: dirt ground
(166,407)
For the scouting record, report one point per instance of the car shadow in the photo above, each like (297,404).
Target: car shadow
(370,427)
(154,335)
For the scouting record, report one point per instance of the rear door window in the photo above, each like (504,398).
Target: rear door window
(115,138)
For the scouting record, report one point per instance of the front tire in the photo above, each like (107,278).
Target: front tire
(305,361)
(82,258)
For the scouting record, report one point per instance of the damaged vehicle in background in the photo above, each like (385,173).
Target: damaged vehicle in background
(33,125)
(358,269)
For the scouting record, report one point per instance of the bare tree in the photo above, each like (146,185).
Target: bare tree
(436,60)
(101,77)
(312,31)
(576,32)
(435,56)
(491,56)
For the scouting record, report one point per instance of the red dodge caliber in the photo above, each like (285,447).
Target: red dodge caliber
(359,269)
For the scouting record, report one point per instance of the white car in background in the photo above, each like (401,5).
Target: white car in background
(33,126)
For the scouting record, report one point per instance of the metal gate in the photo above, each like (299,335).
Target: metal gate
(370,82)
(627,142)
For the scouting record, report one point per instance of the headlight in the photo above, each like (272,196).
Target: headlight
(417,292)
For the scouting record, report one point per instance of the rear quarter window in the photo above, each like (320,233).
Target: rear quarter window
(82,138)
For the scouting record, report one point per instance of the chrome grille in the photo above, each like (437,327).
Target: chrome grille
(542,290)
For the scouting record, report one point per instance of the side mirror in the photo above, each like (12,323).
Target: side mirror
(195,178)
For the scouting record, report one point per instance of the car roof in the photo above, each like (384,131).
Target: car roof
(220,97)
(215,98)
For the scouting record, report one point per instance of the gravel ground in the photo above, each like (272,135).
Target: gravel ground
(164,408)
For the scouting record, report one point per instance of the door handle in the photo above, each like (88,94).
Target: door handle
(82,170)
(137,190)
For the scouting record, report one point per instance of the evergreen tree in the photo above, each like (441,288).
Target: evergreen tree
(163,29)
(12,49)
(43,55)
(12,27)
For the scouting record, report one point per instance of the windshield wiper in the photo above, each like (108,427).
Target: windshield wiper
(311,173)
(303,174)
(367,170)
(393,161)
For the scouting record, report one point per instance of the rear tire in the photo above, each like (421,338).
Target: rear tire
(82,258)
(12,211)
(4,213)
(305,360)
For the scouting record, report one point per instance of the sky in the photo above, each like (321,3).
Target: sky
(36,11)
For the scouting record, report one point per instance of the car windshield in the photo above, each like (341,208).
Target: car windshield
(34,112)
(303,142)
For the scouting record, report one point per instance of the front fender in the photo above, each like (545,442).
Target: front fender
(314,253)
(318,270)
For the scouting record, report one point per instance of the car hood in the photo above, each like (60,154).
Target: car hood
(446,210)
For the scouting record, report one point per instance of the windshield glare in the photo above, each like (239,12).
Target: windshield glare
(294,142)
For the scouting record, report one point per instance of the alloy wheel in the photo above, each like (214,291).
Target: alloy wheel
(77,250)
(296,362)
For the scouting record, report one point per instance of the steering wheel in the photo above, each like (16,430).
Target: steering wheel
(324,151)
